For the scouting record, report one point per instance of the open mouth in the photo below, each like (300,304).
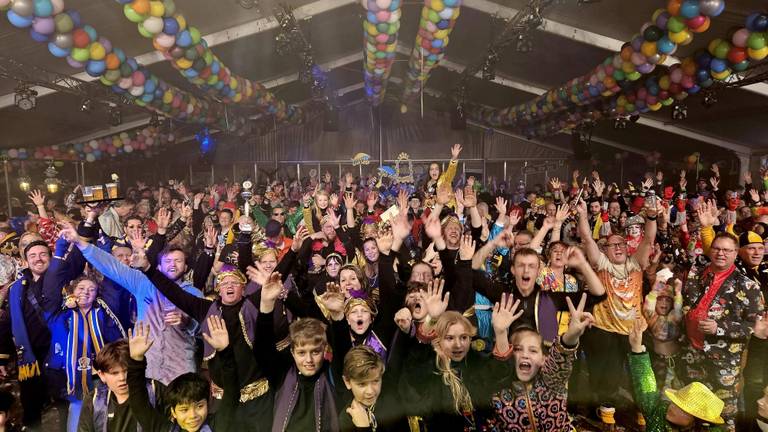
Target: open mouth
(526,278)
(525,366)
(359,323)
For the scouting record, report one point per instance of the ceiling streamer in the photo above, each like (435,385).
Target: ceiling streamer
(189,53)
(381,25)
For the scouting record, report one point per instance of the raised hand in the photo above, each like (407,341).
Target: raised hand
(466,248)
(562,214)
(37,197)
(403,319)
(708,213)
(271,290)
(349,179)
(716,170)
(434,301)
(400,226)
(197,199)
(599,188)
(432,227)
(209,238)
(647,184)
(554,182)
(444,194)
(761,326)
(163,218)
(514,217)
(334,218)
(349,201)
(636,334)
(68,233)
(580,321)
(505,313)
(333,300)
(470,198)
(575,257)
(754,195)
(139,341)
(186,211)
(715,182)
(456,151)
(137,240)
(384,240)
(218,338)
(371,200)
(301,235)
(747,177)
(501,206)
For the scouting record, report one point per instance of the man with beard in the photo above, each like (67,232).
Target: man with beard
(173,352)
(25,329)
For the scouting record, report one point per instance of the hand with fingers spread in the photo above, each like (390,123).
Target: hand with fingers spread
(302,234)
(466,248)
(137,239)
(270,292)
(334,200)
(708,213)
(715,182)
(470,197)
(400,226)
(333,300)
(432,226)
(501,208)
(186,211)
(37,198)
(333,218)
(636,334)
(647,184)
(514,217)
(505,313)
(599,188)
(561,214)
(384,240)
(754,195)
(579,323)
(456,151)
(434,301)
(163,219)
(554,182)
(139,341)
(349,201)
(209,238)
(747,177)
(217,336)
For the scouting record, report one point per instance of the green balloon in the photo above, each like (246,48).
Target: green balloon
(382,27)
(721,51)
(434,17)
(630,107)
(676,24)
(208,57)
(170,7)
(667,101)
(190,54)
(125,70)
(112,75)
(195,33)
(393,28)
(80,54)
(144,32)
(63,23)
(634,76)
(380,54)
(756,40)
(619,75)
(741,66)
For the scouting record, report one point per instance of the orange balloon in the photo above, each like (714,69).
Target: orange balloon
(626,53)
(689,66)
(112,61)
(673,7)
(141,7)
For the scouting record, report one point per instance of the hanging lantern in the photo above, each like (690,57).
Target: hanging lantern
(24,183)
(51,182)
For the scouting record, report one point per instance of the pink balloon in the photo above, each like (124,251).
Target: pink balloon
(740,38)
(382,16)
(696,21)
(43,26)
(676,75)
(138,79)
(637,58)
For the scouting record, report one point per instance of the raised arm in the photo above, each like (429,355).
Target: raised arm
(593,252)
(643,252)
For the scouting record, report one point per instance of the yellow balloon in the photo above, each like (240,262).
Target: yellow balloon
(680,36)
(655,107)
(97,51)
(757,54)
(627,67)
(167,97)
(721,75)
(182,21)
(441,34)
(648,49)
(156,8)
(184,63)
(437,5)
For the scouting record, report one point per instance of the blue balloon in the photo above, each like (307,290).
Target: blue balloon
(718,65)
(75,16)
(91,32)
(693,90)
(56,51)
(443,24)
(170,26)
(150,86)
(689,9)
(702,75)
(190,72)
(38,37)
(371,17)
(665,46)
(703,58)
(184,39)
(95,68)
(751,22)
(19,21)
(43,8)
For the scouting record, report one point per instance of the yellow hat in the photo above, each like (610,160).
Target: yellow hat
(231,272)
(699,401)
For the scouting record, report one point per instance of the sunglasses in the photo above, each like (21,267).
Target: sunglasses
(278,214)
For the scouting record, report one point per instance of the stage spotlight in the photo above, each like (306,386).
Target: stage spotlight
(620,122)
(679,111)
(25,98)
(524,44)
(86,105)
(115,115)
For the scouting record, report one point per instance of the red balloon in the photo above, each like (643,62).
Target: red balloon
(80,38)
(675,88)
(737,55)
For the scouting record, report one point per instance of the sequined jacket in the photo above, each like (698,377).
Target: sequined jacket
(735,308)
(647,397)
(540,405)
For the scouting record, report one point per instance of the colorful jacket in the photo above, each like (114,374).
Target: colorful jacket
(540,405)
(648,398)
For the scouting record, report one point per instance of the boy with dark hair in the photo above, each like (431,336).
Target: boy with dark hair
(108,409)
(187,395)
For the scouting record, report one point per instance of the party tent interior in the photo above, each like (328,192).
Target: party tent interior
(235,88)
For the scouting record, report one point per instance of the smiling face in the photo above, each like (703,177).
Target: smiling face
(321,200)
(225,219)
(190,416)
(752,254)
(614,209)
(635,230)
(133,227)
(526,269)
(38,259)
(371,251)
(123,254)
(367,389)
(231,290)
(455,343)
(359,319)
(308,358)
(267,262)
(85,294)
(173,264)
(722,253)
(528,355)
(349,281)
(116,379)
(452,234)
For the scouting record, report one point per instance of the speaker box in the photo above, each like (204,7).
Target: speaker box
(458,118)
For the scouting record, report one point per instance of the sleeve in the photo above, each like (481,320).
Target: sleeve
(391,297)
(707,236)
(266,352)
(85,423)
(47,229)
(202,269)
(492,289)
(558,366)
(190,304)
(341,343)
(292,221)
(225,414)
(149,419)
(643,382)
(259,217)
(285,266)
(739,326)
(155,245)
(131,279)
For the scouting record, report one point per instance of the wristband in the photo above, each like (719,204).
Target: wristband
(651,218)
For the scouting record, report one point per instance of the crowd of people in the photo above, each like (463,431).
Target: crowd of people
(352,304)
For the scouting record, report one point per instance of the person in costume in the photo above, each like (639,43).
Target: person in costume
(692,408)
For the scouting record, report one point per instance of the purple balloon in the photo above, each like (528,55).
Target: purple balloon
(645,68)
(637,43)
(661,20)
(44,26)
(106,44)
(74,63)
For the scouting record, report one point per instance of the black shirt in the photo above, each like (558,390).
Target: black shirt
(303,415)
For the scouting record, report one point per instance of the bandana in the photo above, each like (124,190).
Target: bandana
(358,301)
(231,272)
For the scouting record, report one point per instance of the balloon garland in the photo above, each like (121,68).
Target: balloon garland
(67,37)
(381,26)
(438,17)
(188,53)
(716,63)
(143,140)
(658,39)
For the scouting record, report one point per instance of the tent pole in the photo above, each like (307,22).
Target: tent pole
(7,186)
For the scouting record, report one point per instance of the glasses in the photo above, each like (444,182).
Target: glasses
(616,245)
(278,214)
(723,251)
